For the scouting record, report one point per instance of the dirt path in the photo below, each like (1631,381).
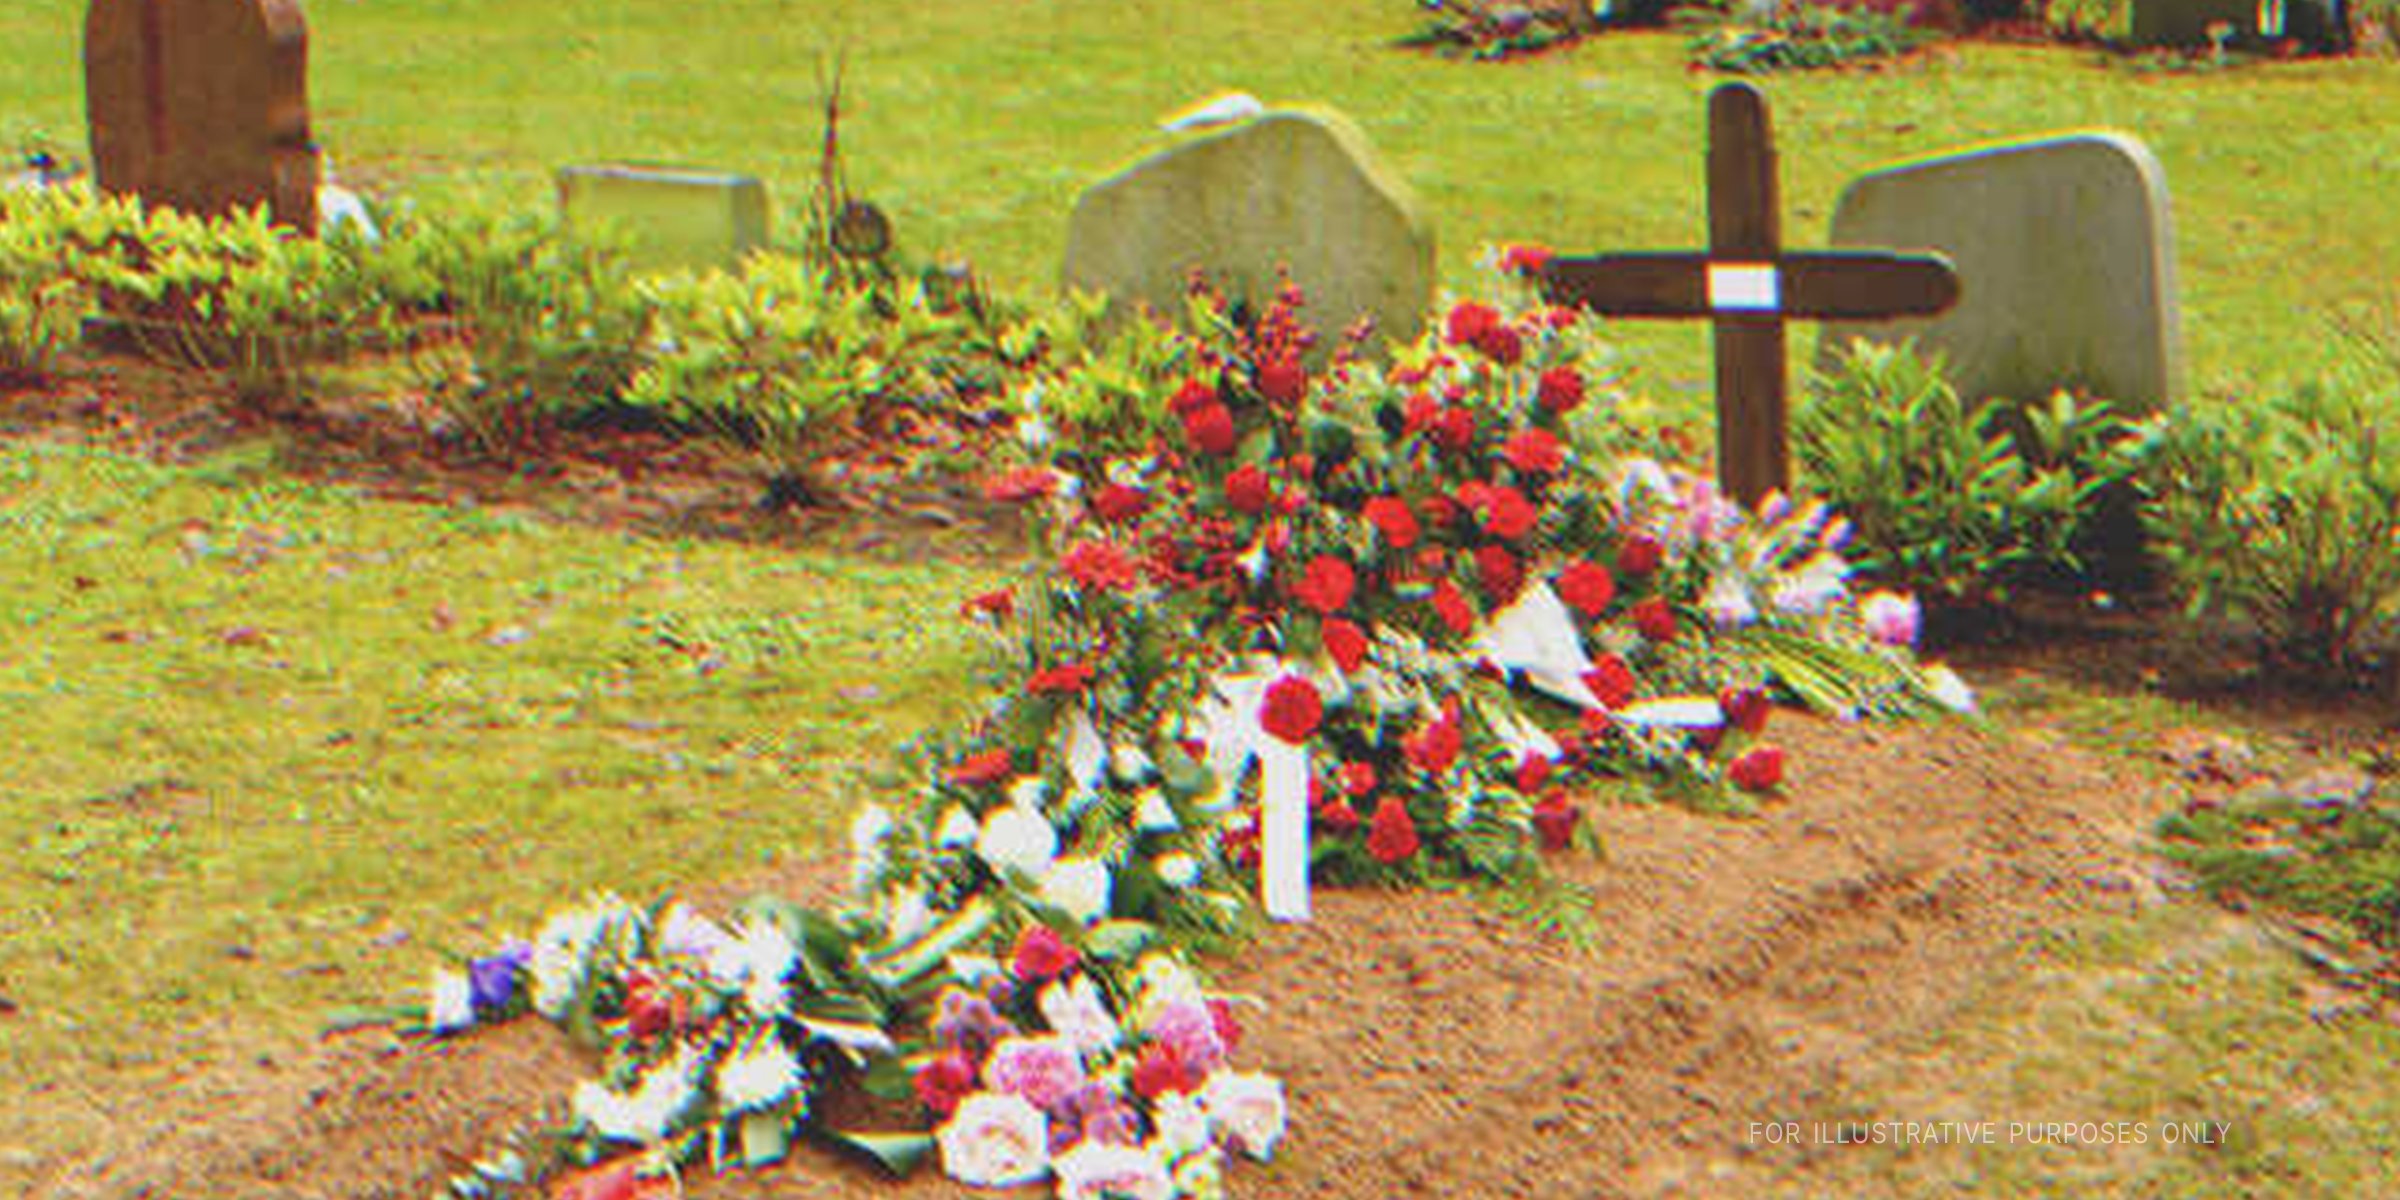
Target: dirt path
(1432,1046)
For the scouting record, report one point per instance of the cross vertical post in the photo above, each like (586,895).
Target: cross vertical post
(1753,457)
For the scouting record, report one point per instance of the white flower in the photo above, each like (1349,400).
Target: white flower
(1160,982)
(1201,1176)
(664,1095)
(1949,689)
(905,914)
(1247,1108)
(562,954)
(867,833)
(1075,1011)
(1178,869)
(452,1006)
(1130,763)
(995,1140)
(1095,1171)
(1728,603)
(1155,815)
(756,962)
(957,828)
(1182,1125)
(1644,481)
(1814,586)
(759,1077)
(683,933)
(1019,837)
(1080,886)
(1028,792)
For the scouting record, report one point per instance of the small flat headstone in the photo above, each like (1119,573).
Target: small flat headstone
(2069,248)
(675,218)
(202,105)
(1296,189)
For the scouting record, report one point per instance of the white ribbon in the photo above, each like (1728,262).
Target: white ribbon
(1535,636)
(1228,720)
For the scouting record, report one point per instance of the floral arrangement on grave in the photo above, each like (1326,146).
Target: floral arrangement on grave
(1355,624)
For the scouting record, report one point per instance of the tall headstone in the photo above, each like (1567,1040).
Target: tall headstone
(2071,252)
(674,218)
(202,105)
(1292,189)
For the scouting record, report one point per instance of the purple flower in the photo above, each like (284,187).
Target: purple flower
(492,982)
(969,1024)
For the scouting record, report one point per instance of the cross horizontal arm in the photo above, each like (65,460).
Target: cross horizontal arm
(1861,285)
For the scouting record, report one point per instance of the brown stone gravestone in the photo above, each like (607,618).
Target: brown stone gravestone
(202,105)
(1749,286)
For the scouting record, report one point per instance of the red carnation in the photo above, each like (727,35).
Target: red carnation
(647,1013)
(1063,679)
(1502,575)
(1292,710)
(1283,381)
(1160,1070)
(1655,620)
(1454,429)
(1746,708)
(1640,555)
(1391,518)
(1193,396)
(1470,322)
(1326,585)
(1759,770)
(1440,512)
(982,770)
(1534,452)
(1358,778)
(1022,484)
(1502,344)
(1434,748)
(1336,816)
(945,1081)
(1525,259)
(1554,820)
(1506,513)
(1247,490)
(1452,607)
(1228,1027)
(1000,604)
(1116,502)
(1587,587)
(1393,836)
(1610,680)
(1561,391)
(1100,566)
(1210,429)
(1346,642)
(1041,955)
(1533,771)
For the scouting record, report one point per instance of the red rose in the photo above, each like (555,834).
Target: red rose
(1326,585)
(1000,604)
(1022,484)
(1640,555)
(1098,565)
(1746,709)
(1502,575)
(1160,1070)
(1506,513)
(1346,642)
(1336,816)
(1116,502)
(1554,820)
(1561,391)
(1292,710)
(1610,680)
(1063,679)
(1502,344)
(1470,322)
(1454,429)
(1452,607)
(1358,778)
(1559,317)
(945,1081)
(1391,518)
(1440,512)
(1419,414)
(1587,587)
(1193,396)
(1247,490)
(1759,770)
(619,1179)
(1534,452)
(982,770)
(1533,771)
(1210,429)
(647,1013)
(1041,955)
(1525,259)
(1392,837)
(1283,381)
(1655,620)
(1434,748)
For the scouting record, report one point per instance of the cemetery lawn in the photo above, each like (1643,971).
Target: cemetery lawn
(976,122)
(278,746)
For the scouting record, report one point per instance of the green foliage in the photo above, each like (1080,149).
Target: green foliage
(2105,20)
(1103,381)
(2285,511)
(1799,36)
(1952,499)
(42,299)
(1486,29)
(2341,862)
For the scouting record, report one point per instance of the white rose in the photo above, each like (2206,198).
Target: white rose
(1094,1171)
(452,1005)
(1076,1012)
(1080,886)
(1155,815)
(1017,837)
(1028,792)
(995,1140)
(1178,870)
(1182,1125)
(759,1077)
(957,828)
(686,934)
(867,832)
(1161,980)
(1247,1109)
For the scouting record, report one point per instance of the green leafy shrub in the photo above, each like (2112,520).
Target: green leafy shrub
(43,298)
(2285,512)
(1956,500)
(1099,383)
(1803,37)
(1483,29)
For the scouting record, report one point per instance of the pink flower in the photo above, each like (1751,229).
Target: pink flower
(1044,1070)
(1890,618)
(1189,1031)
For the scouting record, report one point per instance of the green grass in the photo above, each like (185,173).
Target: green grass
(446,721)
(977,121)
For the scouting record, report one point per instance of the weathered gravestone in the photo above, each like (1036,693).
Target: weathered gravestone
(202,105)
(2069,246)
(1293,189)
(675,218)
(1749,286)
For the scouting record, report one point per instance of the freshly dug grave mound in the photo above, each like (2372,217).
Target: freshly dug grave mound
(1431,1045)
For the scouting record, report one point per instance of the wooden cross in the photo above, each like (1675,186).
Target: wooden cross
(1750,286)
